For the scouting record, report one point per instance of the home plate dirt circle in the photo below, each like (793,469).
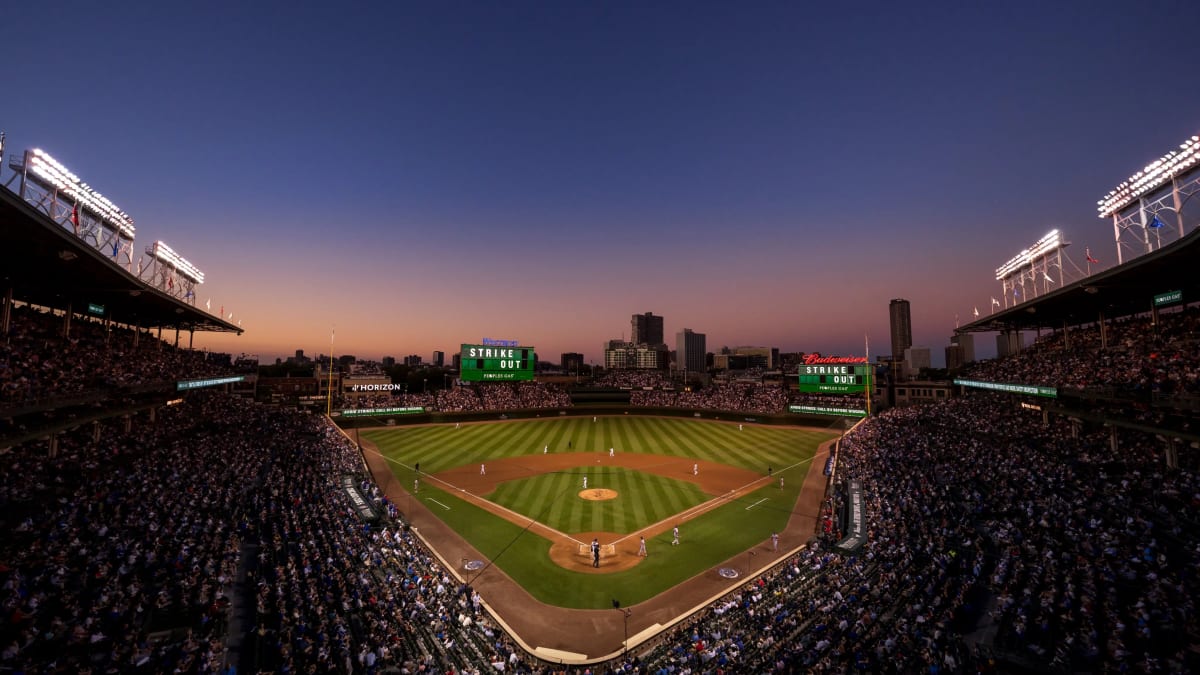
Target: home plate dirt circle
(598,494)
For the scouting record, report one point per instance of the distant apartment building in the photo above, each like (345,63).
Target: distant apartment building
(690,350)
(646,329)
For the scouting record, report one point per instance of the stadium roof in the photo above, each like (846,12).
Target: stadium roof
(1123,290)
(47,265)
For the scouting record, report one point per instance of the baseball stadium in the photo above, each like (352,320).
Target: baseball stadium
(170,509)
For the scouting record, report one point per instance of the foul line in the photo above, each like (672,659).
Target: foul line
(714,502)
(678,517)
(438,503)
(757,503)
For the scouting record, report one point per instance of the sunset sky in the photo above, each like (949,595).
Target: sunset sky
(422,175)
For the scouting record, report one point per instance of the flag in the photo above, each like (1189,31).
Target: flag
(208,304)
(1047,276)
(995,302)
(976,312)
(75,215)
(1156,223)
(1088,253)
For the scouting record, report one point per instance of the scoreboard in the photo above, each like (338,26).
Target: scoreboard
(834,378)
(488,363)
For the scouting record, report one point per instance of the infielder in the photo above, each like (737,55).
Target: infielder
(774,541)
(482,470)
(695,469)
(642,546)
(611,452)
(675,532)
(585,482)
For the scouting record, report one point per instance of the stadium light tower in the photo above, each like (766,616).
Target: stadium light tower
(171,273)
(1032,264)
(1162,186)
(53,189)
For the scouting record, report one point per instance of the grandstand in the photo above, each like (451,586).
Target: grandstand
(151,526)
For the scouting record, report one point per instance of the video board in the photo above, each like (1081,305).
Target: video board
(834,378)
(489,363)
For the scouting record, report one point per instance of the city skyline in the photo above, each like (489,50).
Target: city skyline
(415,178)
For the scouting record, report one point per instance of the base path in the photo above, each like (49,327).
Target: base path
(582,631)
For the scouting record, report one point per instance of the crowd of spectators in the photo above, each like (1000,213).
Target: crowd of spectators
(616,378)
(991,538)
(745,398)
(38,363)
(129,554)
(497,396)
(119,552)
(1140,357)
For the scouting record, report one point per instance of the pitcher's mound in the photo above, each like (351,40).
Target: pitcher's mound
(598,494)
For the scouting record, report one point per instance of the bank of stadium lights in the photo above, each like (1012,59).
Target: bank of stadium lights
(50,170)
(1154,175)
(1045,245)
(170,257)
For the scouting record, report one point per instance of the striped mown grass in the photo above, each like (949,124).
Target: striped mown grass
(642,499)
(708,539)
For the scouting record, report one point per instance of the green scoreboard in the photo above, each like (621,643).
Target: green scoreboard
(488,363)
(834,378)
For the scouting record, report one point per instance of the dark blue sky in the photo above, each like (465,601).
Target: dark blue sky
(767,173)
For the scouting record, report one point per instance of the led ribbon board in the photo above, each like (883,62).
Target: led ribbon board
(827,410)
(484,363)
(1031,389)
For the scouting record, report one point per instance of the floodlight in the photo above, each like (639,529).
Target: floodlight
(187,269)
(53,173)
(1045,245)
(1152,176)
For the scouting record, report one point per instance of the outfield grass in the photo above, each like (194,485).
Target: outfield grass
(643,499)
(439,447)
(708,539)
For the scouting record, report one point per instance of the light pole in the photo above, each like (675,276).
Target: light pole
(625,614)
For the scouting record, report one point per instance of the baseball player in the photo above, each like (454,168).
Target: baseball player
(774,541)
(675,533)
(642,546)
(595,552)
(611,452)
(585,482)
(482,470)
(739,427)
(695,469)
(545,449)
(416,482)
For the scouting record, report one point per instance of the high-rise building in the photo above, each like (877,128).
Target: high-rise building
(571,362)
(916,358)
(901,320)
(646,329)
(439,359)
(966,342)
(690,351)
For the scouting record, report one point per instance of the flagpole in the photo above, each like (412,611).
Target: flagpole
(329,389)
(867,354)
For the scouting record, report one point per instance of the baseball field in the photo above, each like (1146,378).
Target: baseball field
(516,492)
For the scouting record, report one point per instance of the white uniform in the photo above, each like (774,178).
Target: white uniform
(675,531)
(695,469)
(545,449)
(642,547)
(585,482)
(611,452)
(482,470)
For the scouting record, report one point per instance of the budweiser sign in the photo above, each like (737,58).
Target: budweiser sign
(810,359)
